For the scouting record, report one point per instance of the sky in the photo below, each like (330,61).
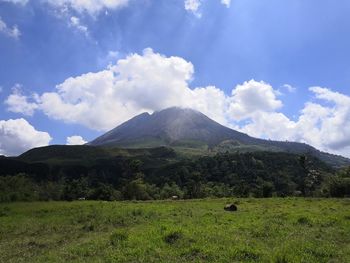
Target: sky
(70,70)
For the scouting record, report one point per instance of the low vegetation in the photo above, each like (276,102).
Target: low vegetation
(262,230)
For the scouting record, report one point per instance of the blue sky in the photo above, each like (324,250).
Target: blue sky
(274,69)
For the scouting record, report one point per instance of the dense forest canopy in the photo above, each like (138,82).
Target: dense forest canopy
(144,174)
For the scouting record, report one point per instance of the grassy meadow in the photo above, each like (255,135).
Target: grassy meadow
(262,230)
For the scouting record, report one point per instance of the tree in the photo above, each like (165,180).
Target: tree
(171,190)
(105,192)
(194,186)
(136,190)
(75,189)
(339,186)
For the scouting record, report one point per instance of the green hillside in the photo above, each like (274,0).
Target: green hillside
(109,173)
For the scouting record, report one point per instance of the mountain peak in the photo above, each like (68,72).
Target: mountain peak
(185,127)
(167,127)
(177,110)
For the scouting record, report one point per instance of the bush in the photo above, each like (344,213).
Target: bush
(105,192)
(17,188)
(339,187)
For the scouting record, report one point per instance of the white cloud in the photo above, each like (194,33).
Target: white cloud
(289,88)
(151,81)
(227,3)
(19,103)
(10,32)
(75,22)
(193,6)
(271,125)
(138,83)
(18,136)
(133,85)
(325,127)
(75,140)
(252,97)
(331,96)
(211,101)
(92,7)
(21,2)
(334,120)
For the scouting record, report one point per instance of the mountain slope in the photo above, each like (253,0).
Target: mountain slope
(190,129)
(170,126)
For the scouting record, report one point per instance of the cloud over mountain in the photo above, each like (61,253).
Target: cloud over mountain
(151,81)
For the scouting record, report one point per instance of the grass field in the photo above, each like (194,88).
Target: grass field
(262,230)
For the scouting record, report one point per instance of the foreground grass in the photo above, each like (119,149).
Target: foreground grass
(262,230)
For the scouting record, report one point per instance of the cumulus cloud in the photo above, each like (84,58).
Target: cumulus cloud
(18,136)
(19,103)
(8,31)
(92,7)
(150,81)
(75,140)
(334,120)
(138,83)
(252,97)
(272,125)
(133,85)
(325,127)
(211,101)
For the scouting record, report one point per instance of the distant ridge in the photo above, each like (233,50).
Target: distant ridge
(189,128)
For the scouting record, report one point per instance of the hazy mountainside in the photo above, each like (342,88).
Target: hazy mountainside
(187,128)
(167,127)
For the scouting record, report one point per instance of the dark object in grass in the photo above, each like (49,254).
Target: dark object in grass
(173,237)
(304,221)
(230,207)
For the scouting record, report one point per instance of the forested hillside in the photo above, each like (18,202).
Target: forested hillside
(68,173)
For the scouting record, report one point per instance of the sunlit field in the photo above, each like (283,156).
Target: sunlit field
(262,230)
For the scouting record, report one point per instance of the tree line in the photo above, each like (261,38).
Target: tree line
(260,174)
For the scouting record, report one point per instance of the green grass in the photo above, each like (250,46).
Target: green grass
(262,230)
